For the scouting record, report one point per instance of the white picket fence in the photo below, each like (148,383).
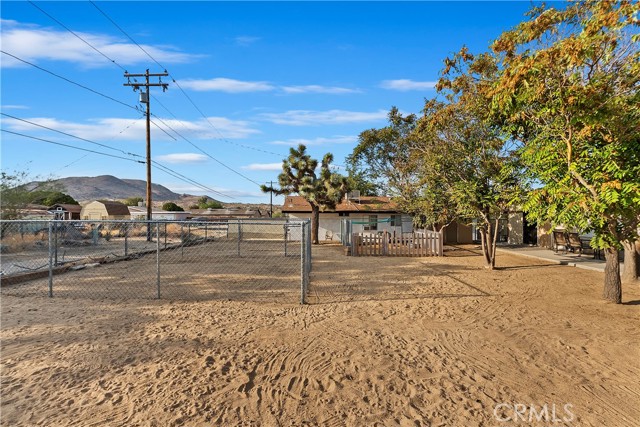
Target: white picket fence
(419,244)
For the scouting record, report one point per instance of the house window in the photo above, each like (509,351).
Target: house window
(372,223)
(396,221)
(343,213)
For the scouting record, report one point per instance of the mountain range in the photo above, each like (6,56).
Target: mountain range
(84,188)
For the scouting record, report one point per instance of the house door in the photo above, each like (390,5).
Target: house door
(530,231)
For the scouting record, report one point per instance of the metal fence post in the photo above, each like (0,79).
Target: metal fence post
(239,236)
(158,258)
(308,251)
(302,263)
(55,243)
(126,239)
(50,260)
(286,236)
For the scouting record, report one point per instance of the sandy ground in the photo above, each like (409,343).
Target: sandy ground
(383,342)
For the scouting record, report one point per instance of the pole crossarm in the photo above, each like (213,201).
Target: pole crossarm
(146,83)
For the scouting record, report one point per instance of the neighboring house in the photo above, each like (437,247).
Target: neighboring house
(367,214)
(140,213)
(103,209)
(34,212)
(212,214)
(65,211)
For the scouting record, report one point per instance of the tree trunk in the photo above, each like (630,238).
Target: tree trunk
(630,272)
(488,248)
(495,239)
(315,224)
(612,283)
(637,258)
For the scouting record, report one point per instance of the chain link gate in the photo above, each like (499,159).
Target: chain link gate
(235,259)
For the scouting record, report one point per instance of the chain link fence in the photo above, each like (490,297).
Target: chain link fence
(232,259)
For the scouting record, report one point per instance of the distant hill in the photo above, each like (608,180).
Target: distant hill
(84,188)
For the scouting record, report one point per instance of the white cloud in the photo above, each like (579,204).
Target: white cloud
(307,117)
(135,130)
(246,40)
(318,89)
(214,128)
(317,141)
(33,43)
(221,84)
(183,158)
(263,167)
(407,85)
(15,107)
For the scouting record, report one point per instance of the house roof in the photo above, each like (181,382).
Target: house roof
(229,212)
(115,208)
(67,207)
(363,204)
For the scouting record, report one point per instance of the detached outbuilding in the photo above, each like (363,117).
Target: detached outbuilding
(66,212)
(105,210)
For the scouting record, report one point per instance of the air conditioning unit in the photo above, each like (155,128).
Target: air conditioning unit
(354,195)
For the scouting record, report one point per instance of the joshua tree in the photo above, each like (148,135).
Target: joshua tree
(299,176)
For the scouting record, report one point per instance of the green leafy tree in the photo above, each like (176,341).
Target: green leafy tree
(133,201)
(50,198)
(205,202)
(322,191)
(468,170)
(383,163)
(568,89)
(15,194)
(171,207)
(377,163)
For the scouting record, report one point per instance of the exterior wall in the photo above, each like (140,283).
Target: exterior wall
(544,236)
(456,233)
(331,223)
(94,211)
(97,211)
(464,234)
(516,228)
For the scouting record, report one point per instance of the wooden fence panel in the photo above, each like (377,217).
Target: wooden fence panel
(427,243)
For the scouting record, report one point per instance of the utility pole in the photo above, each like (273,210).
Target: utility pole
(145,99)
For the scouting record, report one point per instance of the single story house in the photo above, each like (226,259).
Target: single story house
(65,211)
(140,213)
(105,210)
(367,214)
(34,212)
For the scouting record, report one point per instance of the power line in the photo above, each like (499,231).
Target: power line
(180,87)
(156,164)
(209,155)
(71,146)
(70,81)
(72,136)
(84,87)
(132,107)
(163,106)
(75,34)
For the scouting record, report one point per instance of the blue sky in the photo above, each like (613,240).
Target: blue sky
(263,77)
